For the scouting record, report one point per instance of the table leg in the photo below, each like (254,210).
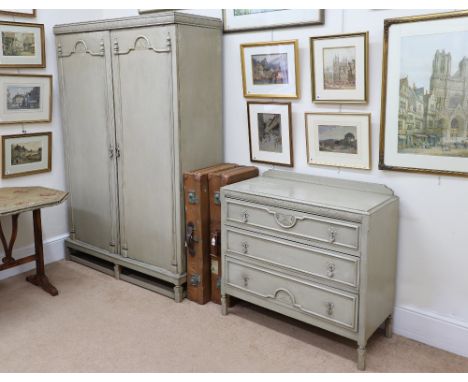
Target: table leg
(40,279)
(8,247)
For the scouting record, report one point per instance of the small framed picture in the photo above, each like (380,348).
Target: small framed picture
(338,139)
(339,66)
(25,98)
(26,154)
(19,12)
(240,20)
(270,133)
(270,69)
(22,45)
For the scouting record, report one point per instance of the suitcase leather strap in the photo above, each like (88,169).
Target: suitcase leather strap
(215,243)
(190,239)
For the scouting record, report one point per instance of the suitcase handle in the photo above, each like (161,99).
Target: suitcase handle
(190,239)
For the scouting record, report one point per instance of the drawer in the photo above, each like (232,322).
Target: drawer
(330,305)
(291,224)
(339,269)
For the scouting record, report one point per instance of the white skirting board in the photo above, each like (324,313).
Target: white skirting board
(432,329)
(429,328)
(54,250)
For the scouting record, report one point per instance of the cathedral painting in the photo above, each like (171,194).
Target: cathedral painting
(433,95)
(339,65)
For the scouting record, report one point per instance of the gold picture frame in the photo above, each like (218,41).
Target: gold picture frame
(280,151)
(341,91)
(291,89)
(262,20)
(30,160)
(148,11)
(337,148)
(37,60)
(10,116)
(393,142)
(18,13)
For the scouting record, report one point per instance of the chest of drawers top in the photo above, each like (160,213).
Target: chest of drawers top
(316,194)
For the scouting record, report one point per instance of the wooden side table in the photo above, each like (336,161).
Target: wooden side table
(13,202)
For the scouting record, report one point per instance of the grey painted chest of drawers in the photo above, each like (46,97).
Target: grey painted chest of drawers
(320,250)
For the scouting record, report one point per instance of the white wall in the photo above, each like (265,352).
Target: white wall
(55,219)
(432,292)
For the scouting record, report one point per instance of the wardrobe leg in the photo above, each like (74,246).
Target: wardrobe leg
(178,293)
(117,270)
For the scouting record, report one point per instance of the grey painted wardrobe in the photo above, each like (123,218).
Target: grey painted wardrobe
(141,104)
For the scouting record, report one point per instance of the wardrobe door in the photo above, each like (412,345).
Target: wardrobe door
(143,100)
(84,64)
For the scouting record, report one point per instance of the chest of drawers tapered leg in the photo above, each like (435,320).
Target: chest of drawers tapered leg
(320,250)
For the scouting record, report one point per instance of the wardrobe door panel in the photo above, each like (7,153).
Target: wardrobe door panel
(84,65)
(142,63)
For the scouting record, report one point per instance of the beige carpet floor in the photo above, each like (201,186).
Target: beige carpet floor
(99,324)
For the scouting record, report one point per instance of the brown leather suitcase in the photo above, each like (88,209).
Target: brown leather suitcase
(197,223)
(216,181)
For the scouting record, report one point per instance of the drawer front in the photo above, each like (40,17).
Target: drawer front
(335,233)
(330,305)
(340,269)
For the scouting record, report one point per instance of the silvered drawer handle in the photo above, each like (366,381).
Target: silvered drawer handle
(285,221)
(331,270)
(245,247)
(332,235)
(330,307)
(245,216)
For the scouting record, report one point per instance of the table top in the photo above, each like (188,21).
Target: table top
(14,200)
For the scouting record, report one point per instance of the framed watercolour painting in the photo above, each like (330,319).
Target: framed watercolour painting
(339,66)
(25,98)
(270,69)
(338,139)
(145,11)
(18,12)
(237,20)
(22,45)
(270,133)
(424,118)
(26,154)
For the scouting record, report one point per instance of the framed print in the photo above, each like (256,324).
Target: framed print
(424,117)
(270,69)
(270,133)
(22,45)
(25,98)
(146,11)
(26,154)
(338,139)
(339,66)
(19,12)
(237,20)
